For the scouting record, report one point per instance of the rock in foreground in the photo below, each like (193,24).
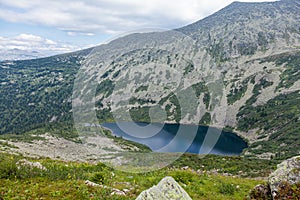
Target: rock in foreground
(287,171)
(166,189)
(283,183)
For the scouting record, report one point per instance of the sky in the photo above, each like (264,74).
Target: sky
(57,26)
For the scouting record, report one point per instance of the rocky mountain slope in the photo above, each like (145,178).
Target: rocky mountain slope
(238,68)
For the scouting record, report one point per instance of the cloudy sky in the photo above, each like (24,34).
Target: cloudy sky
(63,25)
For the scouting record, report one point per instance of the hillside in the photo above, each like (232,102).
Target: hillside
(238,68)
(67,180)
(37,92)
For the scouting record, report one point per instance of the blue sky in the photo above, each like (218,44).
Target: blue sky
(59,26)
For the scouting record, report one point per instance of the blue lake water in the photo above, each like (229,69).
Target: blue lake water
(179,138)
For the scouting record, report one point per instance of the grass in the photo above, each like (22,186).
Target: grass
(65,180)
(45,189)
(234,165)
(39,188)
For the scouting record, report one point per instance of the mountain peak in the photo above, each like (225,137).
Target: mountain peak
(248,13)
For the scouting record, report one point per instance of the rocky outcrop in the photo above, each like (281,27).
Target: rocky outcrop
(283,183)
(287,171)
(166,189)
(25,162)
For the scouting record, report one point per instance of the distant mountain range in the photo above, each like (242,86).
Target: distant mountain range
(243,63)
(18,54)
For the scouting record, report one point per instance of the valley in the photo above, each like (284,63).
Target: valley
(234,75)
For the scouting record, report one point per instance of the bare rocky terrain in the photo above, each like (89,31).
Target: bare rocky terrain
(95,149)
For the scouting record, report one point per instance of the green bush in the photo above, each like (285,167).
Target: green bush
(184,177)
(102,177)
(98,177)
(8,168)
(226,188)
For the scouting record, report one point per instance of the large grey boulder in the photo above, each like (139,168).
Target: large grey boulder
(166,189)
(288,170)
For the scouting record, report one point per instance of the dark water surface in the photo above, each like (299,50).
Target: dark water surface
(179,138)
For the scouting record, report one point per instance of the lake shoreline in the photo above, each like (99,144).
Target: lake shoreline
(224,131)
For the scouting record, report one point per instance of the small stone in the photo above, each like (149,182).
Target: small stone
(118,192)
(126,190)
(90,183)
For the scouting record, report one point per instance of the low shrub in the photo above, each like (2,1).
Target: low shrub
(226,188)
(8,167)
(260,192)
(288,191)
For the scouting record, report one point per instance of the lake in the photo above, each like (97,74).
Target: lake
(179,137)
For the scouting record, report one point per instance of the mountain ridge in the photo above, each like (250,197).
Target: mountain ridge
(224,47)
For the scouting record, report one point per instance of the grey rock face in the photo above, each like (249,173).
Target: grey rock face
(166,189)
(288,170)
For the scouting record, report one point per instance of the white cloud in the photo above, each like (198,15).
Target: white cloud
(28,46)
(31,42)
(71,33)
(29,37)
(108,16)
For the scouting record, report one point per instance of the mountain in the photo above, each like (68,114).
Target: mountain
(38,91)
(19,54)
(238,68)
